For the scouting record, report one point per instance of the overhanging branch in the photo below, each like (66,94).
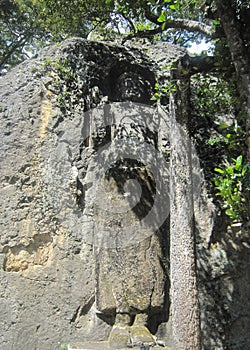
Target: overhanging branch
(190,25)
(179,23)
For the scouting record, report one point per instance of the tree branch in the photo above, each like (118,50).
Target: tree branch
(129,21)
(11,49)
(190,25)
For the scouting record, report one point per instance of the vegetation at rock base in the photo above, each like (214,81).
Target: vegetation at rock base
(28,25)
(220,124)
(230,184)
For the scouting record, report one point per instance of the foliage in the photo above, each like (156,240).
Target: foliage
(229,182)
(20,34)
(162,90)
(27,25)
(213,95)
(63,78)
(215,107)
(233,139)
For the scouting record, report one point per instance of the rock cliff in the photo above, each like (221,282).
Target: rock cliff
(85,233)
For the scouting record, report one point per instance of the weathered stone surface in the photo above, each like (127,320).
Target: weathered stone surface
(106,346)
(48,276)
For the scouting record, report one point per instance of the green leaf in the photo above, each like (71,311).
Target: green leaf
(236,198)
(239,160)
(174,7)
(231,214)
(218,170)
(224,126)
(230,170)
(162,17)
(244,170)
(216,22)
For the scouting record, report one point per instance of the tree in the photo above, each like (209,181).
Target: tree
(21,34)
(238,44)
(172,20)
(29,24)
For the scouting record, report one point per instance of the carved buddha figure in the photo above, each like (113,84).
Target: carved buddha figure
(130,272)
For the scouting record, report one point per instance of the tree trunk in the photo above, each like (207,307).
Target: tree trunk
(184,295)
(238,53)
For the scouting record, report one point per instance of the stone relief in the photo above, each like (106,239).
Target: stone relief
(132,278)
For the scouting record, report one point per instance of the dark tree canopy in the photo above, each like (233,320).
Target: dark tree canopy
(29,24)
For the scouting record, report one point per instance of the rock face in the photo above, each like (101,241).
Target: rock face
(84,244)
(51,266)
